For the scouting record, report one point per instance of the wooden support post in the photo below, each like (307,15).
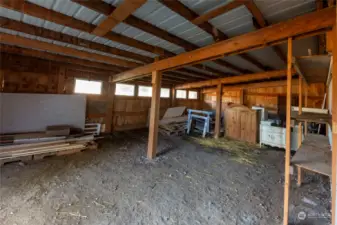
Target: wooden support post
(306,105)
(288,135)
(299,176)
(242,96)
(154,115)
(173,97)
(201,99)
(218,111)
(300,97)
(61,80)
(110,109)
(334,128)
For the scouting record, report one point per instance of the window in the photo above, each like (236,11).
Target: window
(144,91)
(192,95)
(88,87)
(181,94)
(125,89)
(165,92)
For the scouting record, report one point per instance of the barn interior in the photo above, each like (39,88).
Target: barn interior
(168,112)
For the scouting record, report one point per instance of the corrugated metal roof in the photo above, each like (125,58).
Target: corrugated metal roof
(233,23)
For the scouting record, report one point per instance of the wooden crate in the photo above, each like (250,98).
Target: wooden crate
(242,123)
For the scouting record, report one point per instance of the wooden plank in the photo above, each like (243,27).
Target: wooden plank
(288,136)
(110,109)
(298,70)
(154,115)
(272,35)
(321,37)
(334,128)
(69,61)
(218,111)
(329,41)
(314,155)
(216,12)
(265,84)
(123,11)
(242,96)
(44,46)
(315,68)
(236,79)
(62,37)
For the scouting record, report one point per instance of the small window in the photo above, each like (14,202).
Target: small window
(125,89)
(165,92)
(181,94)
(88,87)
(192,95)
(144,91)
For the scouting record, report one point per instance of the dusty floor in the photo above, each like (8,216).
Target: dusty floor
(186,184)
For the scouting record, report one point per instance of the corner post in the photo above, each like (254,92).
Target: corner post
(218,111)
(154,115)
(288,135)
(334,128)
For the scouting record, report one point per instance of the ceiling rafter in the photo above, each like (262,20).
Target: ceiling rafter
(216,12)
(259,22)
(62,19)
(54,57)
(45,46)
(58,36)
(107,9)
(123,11)
(178,7)
(297,28)
(59,18)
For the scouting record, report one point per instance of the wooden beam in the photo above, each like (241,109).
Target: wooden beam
(58,58)
(62,19)
(265,84)
(190,15)
(288,135)
(110,108)
(298,70)
(272,35)
(218,110)
(306,87)
(242,96)
(217,12)
(58,36)
(151,29)
(123,11)
(154,115)
(260,23)
(255,11)
(173,97)
(334,128)
(236,79)
(321,37)
(44,46)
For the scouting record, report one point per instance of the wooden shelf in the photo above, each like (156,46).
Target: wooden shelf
(314,68)
(312,117)
(314,155)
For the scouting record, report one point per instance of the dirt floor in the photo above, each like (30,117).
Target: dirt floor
(188,184)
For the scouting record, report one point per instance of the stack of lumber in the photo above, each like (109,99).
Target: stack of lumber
(41,149)
(174,128)
(173,122)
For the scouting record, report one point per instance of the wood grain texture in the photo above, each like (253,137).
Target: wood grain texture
(123,11)
(154,115)
(218,111)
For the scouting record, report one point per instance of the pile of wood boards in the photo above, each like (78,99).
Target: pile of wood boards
(38,148)
(173,122)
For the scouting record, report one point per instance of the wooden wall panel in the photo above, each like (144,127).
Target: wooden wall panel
(267,97)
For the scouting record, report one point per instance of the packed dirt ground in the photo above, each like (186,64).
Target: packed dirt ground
(187,184)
